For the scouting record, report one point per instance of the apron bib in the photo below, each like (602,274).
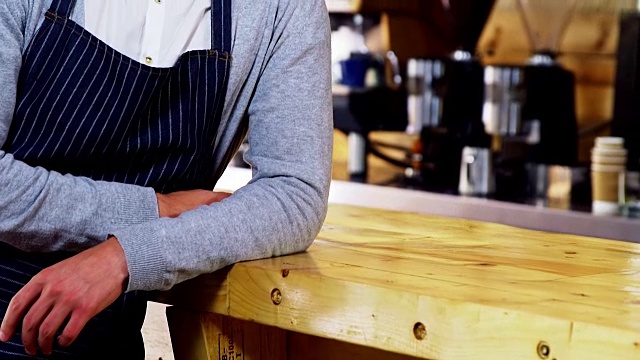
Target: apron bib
(87,110)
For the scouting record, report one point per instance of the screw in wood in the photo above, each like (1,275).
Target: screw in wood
(420,331)
(544,350)
(285,273)
(276,296)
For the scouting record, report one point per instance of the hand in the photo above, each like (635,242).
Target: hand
(174,204)
(77,289)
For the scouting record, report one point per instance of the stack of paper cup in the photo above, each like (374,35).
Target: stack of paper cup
(608,168)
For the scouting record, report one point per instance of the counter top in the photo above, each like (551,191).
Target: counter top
(500,212)
(440,288)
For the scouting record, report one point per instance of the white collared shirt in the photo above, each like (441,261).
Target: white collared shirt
(152,32)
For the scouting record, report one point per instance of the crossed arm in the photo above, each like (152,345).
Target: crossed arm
(83,285)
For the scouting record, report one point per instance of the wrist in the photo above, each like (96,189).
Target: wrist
(119,261)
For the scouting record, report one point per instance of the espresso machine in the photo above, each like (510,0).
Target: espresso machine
(446,96)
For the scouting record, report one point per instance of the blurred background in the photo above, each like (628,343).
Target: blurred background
(500,99)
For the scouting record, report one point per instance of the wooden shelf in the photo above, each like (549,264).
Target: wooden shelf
(344,6)
(583,6)
(376,6)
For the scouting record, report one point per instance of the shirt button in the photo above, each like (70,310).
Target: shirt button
(148,60)
(158,1)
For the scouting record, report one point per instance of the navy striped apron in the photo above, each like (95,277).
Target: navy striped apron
(85,109)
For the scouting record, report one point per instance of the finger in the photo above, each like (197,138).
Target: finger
(50,326)
(78,320)
(31,323)
(18,306)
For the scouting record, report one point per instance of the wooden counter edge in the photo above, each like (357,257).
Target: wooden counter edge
(376,317)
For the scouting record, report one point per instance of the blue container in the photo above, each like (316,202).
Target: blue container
(354,70)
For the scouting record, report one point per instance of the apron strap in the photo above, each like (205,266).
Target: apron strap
(62,8)
(221,25)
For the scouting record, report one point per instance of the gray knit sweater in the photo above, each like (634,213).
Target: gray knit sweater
(280,79)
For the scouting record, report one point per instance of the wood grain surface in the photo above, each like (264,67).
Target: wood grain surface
(440,288)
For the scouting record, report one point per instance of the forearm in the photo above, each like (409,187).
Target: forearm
(46,211)
(269,217)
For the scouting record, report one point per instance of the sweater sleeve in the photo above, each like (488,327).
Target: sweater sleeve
(47,211)
(282,209)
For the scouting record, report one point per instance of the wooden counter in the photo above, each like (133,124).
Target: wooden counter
(379,284)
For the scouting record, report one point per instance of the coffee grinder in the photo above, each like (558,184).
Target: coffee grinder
(530,109)
(446,97)
(548,112)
